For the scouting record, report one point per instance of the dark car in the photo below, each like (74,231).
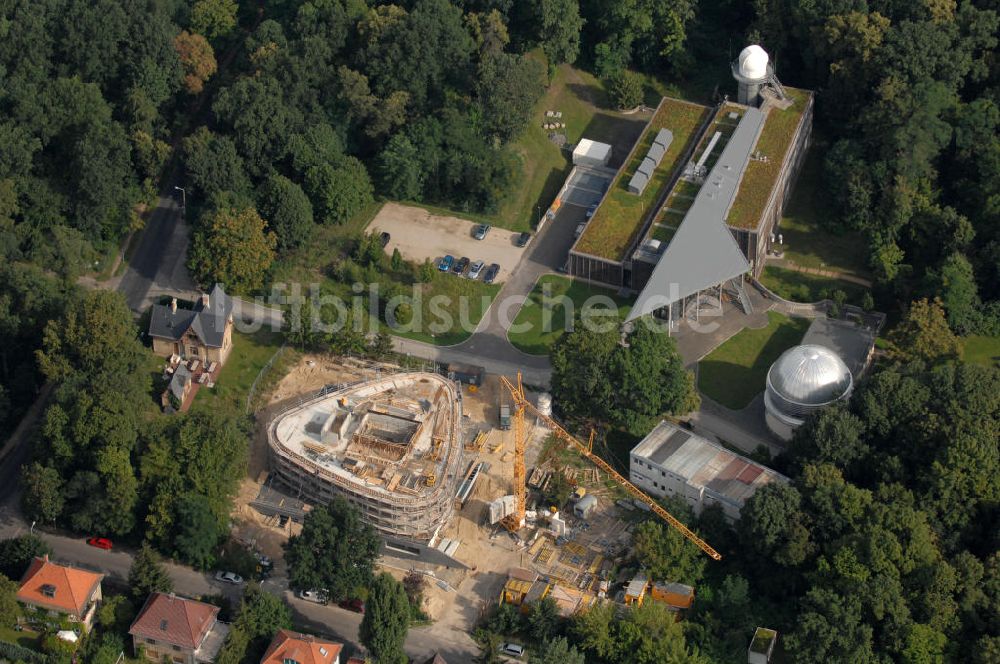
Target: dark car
(100,543)
(591,210)
(355,605)
(446,263)
(522,239)
(384,237)
(491,273)
(461,266)
(482,230)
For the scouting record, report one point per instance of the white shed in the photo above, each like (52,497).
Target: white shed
(591,153)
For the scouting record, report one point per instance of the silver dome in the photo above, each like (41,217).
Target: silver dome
(808,377)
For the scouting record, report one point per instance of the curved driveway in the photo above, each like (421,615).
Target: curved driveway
(488,346)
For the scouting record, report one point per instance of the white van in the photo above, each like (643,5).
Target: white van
(512,649)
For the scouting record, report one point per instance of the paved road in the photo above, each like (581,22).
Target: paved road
(488,346)
(157,266)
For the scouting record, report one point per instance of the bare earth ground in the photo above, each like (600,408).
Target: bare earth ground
(420,235)
(454,599)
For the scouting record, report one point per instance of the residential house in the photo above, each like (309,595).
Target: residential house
(60,590)
(290,647)
(204,333)
(177,630)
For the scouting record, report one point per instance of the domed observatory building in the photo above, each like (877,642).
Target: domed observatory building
(753,72)
(803,380)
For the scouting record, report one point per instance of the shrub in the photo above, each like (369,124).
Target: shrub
(625,89)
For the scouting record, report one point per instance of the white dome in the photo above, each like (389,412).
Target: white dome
(807,377)
(753,62)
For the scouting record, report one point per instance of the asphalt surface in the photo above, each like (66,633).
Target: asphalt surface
(157,266)
(488,346)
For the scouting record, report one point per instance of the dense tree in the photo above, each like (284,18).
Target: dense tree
(17,553)
(339,192)
(559,25)
(625,89)
(557,651)
(400,171)
(287,210)
(628,382)
(543,618)
(96,338)
(666,554)
(924,333)
(147,575)
(197,58)
(43,498)
(232,247)
(387,616)
(212,164)
(213,18)
(508,87)
(9,608)
(198,531)
(253,110)
(336,551)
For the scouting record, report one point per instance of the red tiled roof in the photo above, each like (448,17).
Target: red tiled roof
(174,620)
(69,587)
(301,648)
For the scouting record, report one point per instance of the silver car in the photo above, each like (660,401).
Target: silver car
(475,269)
(229,577)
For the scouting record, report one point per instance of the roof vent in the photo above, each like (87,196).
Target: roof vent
(323,651)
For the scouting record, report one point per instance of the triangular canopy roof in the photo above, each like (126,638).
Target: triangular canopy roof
(703,252)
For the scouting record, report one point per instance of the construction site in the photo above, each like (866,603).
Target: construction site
(390,446)
(457,479)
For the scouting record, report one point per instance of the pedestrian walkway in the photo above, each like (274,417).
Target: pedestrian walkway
(831,274)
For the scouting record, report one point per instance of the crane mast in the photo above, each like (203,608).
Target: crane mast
(521,404)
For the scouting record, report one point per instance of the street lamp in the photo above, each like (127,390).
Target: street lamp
(183,197)
(32,531)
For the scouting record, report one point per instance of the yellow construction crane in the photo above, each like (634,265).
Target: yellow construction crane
(516,520)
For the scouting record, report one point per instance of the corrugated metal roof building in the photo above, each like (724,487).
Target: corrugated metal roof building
(671,461)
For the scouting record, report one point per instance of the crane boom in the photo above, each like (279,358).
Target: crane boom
(522,403)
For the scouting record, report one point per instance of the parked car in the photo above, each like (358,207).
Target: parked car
(460,267)
(475,269)
(512,649)
(100,543)
(522,239)
(384,237)
(316,596)
(591,210)
(229,577)
(491,273)
(355,605)
(482,230)
(446,263)
(579,230)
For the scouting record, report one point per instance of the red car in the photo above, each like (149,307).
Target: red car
(100,543)
(355,605)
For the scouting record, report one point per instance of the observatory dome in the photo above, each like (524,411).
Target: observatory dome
(753,62)
(803,380)
(809,376)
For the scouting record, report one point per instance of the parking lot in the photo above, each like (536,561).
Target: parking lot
(420,235)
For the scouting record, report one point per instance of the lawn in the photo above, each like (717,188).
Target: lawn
(545,320)
(759,177)
(735,372)
(619,218)
(249,355)
(801,287)
(581,99)
(25,639)
(663,233)
(810,232)
(981,350)
(317,263)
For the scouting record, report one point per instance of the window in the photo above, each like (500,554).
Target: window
(288,660)
(49,590)
(193,350)
(177,648)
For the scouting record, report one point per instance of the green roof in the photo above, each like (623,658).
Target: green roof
(759,177)
(619,218)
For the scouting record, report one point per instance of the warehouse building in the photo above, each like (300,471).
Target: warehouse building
(671,461)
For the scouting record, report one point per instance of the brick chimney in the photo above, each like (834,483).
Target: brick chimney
(173,305)
(204,300)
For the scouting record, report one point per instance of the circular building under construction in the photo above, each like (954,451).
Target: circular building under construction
(390,446)
(803,380)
